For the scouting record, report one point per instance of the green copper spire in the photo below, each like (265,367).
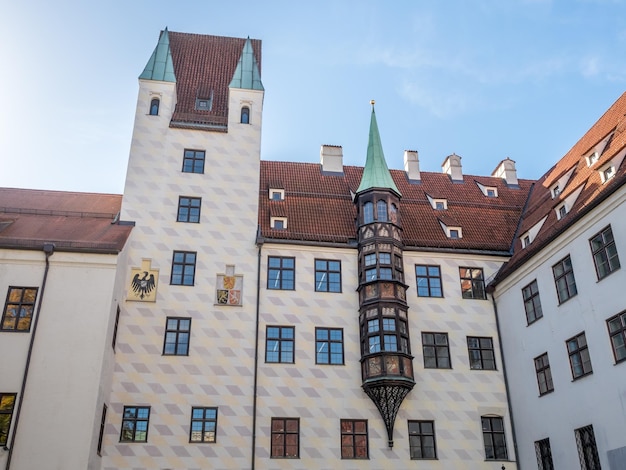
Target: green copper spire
(376,174)
(247,74)
(160,66)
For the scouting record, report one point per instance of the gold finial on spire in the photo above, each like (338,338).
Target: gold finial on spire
(372,102)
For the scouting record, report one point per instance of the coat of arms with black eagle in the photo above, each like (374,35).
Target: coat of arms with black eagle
(143,284)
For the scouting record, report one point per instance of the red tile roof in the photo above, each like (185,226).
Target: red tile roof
(204,66)
(72,221)
(319,207)
(541,204)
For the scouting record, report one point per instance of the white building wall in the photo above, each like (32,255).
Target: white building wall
(596,399)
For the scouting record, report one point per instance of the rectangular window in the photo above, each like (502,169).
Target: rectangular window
(7,402)
(422,440)
(604,253)
(176,336)
(493,436)
(183,268)
(544,455)
(436,350)
(472,283)
(328,346)
(481,355)
(327,275)
(115,326)
(103,420)
(193,161)
(354,439)
(617,333)
(564,279)
(285,438)
(428,280)
(579,355)
(532,304)
(189,209)
(279,344)
(587,448)
(18,309)
(203,424)
(135,424)
(281,273)
(544,375)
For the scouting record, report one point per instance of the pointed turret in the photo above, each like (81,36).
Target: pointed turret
(376,174)
(160,66)
(247,75)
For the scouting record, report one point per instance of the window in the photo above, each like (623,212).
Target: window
(604,253)
(7,402)
(607,173)
(328,346)
(354,439)
(193,161)
(370,259)
(491,192)
(564,279)
(154,107)
(279,344)
(587,449)
(135,424)
(436,350)
(428,281)
(493,436)
(591,159)
(381,209)
(440,205)
(454,233)
(544,454)
(183,268)
(277,194)
(188,209)
(422,440)
(278,223)
(285,438)
(203,424)
(103,420)
(561,211)
(481,354)
(368,213)
(280,272)
(18,309)
(177,336)
(115,327)
(544,375)
(579,355)
(525,241)
(327,275)
(617,333)
(556,191)
(532,303)
(472,283)
(386,273)
(204,104)
(245,115)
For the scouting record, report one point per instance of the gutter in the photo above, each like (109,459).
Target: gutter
(256,353)
(48,249)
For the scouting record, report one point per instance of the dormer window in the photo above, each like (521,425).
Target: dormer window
(154,106)
(555,191)
(276,194)
(488,191)
(607,173)
(561,211)
(245,115)
(278,223)
(454,233)
(525,241)
(492,192)
(440,205)
(204,103)
(591,159)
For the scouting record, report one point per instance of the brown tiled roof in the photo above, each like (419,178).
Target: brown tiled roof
(71,221)
(319,207)
(203,65)
(541,204)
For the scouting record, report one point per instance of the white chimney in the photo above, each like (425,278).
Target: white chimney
(452,166)
(412,166)
(506,171)
(331,159)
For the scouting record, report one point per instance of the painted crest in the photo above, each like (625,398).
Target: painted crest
(143,283)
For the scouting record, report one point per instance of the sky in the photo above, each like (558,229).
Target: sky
(485,79)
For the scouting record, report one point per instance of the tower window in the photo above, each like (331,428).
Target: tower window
(381,208)
(154,107)
(368,213)
(245,115)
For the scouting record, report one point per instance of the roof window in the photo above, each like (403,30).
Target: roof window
(607,173)
(276,194)
(561,211)
(278,223)
(488,191)
(591,159)
(526,240)
(438,204)
(556,190)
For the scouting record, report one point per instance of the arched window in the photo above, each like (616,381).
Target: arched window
(154,107)
(245,115)
(381,208)
(393,213)
(368,213)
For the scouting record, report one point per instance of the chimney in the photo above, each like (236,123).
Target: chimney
(452,166)
(412,166)
(331,159)
(506,171)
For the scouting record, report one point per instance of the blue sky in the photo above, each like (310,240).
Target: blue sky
(486,79)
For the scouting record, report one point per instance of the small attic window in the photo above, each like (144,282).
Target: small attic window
(488,191)
(561,211)
(607,173)
(277,194)
(454,232)
(278,223)
(526,240)
(203,104)
(245,115)
(439,204)
(556,190)
(591,159)
(154,107)
(492,192)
